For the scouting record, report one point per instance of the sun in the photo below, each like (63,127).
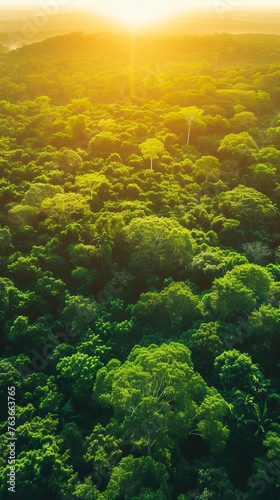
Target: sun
(135,13)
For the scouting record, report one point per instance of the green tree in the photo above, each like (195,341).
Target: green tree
(6,245)
(39,192)
(79,313)
(264,327)
(103,144)
(207,168)
(78,372)
(42,469)
(243,121)
(5,286)
(239,291)
(263,177)
(41,391)
(22,215)
(255,412)
(240,145)
(105,243)
(254,277)
(24,270)
(73,443)
(151,149)
(158,398)
(103,453)
(65,206)
(213,262)
(191,114)
(86,490)
(205,345)
(9,377)
(248,205)
(142,478)
(265,476)
(212,481)
(90,184)
(170,310)
(83,255)
(236,370)
(230,298)
(157,246)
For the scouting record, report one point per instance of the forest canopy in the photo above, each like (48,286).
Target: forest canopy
(140,266)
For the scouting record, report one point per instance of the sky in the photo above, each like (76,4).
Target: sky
(137,13)
(185,4)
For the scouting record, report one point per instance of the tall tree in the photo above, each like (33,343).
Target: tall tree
(151,148)
(191,114)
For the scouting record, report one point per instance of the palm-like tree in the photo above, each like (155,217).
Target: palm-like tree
(254,412)
(105,244)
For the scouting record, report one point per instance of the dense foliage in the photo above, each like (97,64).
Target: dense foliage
(140,267)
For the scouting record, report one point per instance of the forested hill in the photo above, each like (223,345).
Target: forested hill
(52,66)
(140,267)
(88,52)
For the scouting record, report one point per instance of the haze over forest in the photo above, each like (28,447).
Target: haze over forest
(221,18)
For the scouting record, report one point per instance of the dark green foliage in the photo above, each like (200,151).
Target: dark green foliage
(140,267)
